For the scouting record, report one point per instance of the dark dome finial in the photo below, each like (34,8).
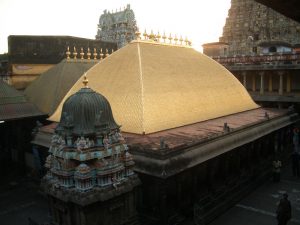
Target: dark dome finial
(85,81)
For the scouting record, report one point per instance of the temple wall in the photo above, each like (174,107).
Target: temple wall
(209,188)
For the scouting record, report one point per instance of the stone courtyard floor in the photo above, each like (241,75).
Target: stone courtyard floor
(20,199)
(259,207)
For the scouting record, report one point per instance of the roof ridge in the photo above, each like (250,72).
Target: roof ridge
(142,86)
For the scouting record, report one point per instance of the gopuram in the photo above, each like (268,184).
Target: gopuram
(251,26)
(198,140)
(261,48)
(118,27)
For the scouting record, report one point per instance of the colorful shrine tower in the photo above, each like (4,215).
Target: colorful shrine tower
(89,176)
(119,26)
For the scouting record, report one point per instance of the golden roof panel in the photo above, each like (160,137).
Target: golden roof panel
(48,90)
(153,87)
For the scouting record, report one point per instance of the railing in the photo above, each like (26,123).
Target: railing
(271,58)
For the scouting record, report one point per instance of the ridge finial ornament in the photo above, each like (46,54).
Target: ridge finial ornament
(68,53)
(170,38)
(81,53)
(151,35)
(164,37)
(158,36)
(145,35)
(175,39)
(106,53)
(88,53)
(85,81)
(138,35)
(95,54)
(186,41)
(75,53)
(181,39)
(101,54)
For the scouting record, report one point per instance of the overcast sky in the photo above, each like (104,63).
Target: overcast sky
(201,21)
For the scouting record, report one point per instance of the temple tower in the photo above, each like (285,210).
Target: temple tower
(251,27)
(119,26)
(89,178)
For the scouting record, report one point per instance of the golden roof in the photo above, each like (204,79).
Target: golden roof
(153,87)
(47,91)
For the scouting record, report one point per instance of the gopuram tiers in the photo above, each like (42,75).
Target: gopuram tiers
(119,26)
(250,24)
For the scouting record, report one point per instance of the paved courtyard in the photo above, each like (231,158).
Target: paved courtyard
(260,206)
(21,199)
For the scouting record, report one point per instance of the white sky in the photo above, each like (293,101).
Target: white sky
(200,20)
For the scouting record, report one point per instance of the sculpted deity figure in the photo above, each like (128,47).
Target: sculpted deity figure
(106,142)
(81,143)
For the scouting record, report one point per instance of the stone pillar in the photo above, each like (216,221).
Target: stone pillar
(244,74)
(262,85)
(270,83)
(288,83)
(253,83)
(280,90)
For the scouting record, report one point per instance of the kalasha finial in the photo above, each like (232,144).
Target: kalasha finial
(138,35)
(75,53)
(145,35)
(164,37)
(95,53)
(186,41)
(181,39)
(81,53)
(85,81)
(101,54)
(68,53)
(158,37)
(88,54)
(170,38)
(151,35)
(175,39)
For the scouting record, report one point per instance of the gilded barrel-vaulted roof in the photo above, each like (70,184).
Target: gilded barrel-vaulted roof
(47,91)
(153,87)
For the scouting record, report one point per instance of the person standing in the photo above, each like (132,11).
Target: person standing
(284,210)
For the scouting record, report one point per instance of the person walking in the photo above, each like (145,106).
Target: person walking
(284,210)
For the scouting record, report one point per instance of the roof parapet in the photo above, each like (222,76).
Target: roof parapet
(86,55)
(158,39)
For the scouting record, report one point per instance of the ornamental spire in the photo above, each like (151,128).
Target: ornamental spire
(68,53)
(85,81)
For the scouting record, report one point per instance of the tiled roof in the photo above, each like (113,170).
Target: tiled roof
(13,104)
(47,91)
(156,86)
